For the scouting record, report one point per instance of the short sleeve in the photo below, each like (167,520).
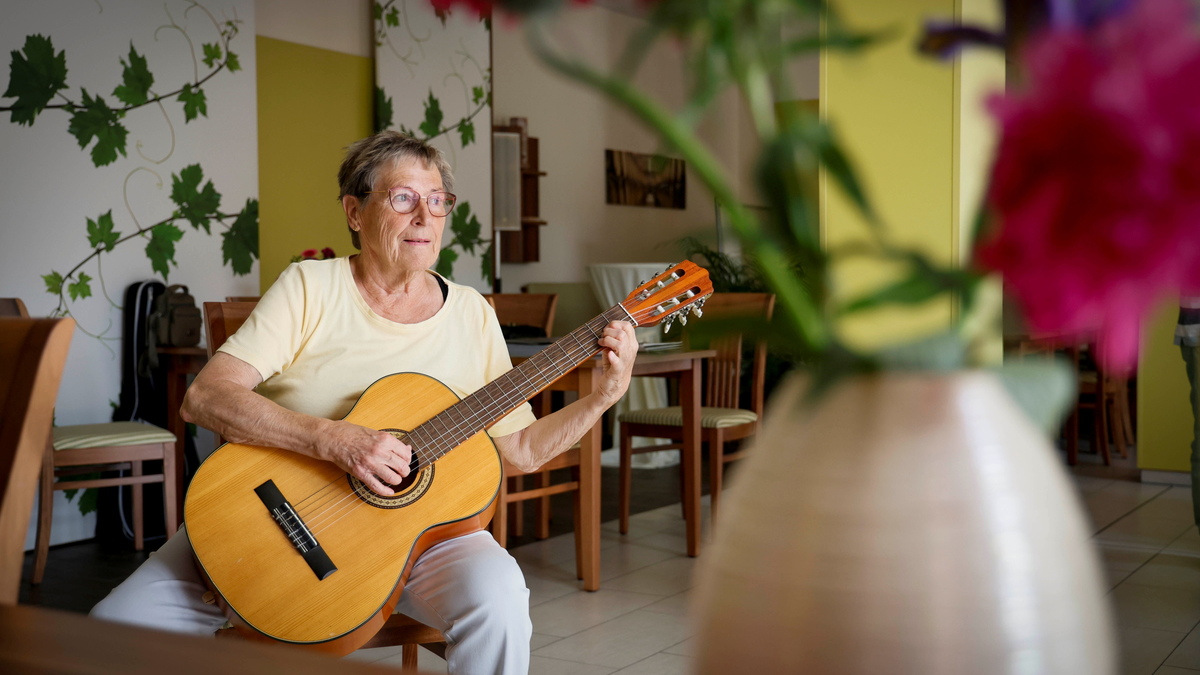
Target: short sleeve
(272,335)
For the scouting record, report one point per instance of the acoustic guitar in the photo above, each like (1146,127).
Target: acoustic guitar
(299,551)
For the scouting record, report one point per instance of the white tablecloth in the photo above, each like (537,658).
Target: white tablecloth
(612,284)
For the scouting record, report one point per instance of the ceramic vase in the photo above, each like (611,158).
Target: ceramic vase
(904,524)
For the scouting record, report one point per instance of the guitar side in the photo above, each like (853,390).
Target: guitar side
(261,575)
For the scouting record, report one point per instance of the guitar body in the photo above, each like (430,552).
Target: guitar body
(268,587)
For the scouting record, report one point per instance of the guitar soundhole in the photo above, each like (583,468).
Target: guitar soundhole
(413,487)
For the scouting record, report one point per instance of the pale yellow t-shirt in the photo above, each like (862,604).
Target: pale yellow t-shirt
(318,345)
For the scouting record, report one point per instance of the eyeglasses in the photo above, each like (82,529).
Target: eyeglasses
(404,200)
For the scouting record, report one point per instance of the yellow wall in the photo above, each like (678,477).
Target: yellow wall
(311,104)
(1164,412)
(919,140)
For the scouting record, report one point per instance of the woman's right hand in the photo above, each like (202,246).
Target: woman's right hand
(374,457)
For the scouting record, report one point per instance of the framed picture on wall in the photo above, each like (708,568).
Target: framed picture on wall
(637,179)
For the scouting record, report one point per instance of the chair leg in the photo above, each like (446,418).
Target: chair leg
(408,658)
(624,479)
(517,510)
(541,508)
(139,524)
(716,465)
(1072,434)
(45,516)
(170,515)
(577,521)
(1100,434)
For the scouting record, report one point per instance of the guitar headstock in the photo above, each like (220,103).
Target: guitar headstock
(682,288)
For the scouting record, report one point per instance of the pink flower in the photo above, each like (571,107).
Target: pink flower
(309,253)
(327,253)
(513,7)
(1096,186)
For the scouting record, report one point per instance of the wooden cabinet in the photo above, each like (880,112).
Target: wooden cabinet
(522,246)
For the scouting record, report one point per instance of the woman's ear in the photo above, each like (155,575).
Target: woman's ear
(353,208)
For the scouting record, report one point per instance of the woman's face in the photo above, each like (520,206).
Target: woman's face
(408,242)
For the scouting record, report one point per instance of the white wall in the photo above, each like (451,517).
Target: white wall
(49,187)
(337,25)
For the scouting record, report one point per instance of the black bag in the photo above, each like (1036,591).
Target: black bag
(176,319)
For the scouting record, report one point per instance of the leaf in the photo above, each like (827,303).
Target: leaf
(466,228)
(486,264)
(476,94)
(54,282)
(1042,388)
(101,233)
(466,131)
(81,288)
(913,289)
(232,62)
(197,205)
(161,249)
(212,54)
(136,80)
(94,119)
(88,501)
(194,102)
(35,75)
(383,110)
(432,125)
(239,245)
(393,17)
(445,263)
(378,11)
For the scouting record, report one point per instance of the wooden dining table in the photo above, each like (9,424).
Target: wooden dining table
(682,364)
(40,640)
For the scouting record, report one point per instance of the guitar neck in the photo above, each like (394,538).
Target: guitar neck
(478,411)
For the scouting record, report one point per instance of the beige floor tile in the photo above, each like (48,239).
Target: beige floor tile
(373,655)
(1142,491)
(622,558)
(1120,562)
(679,604)
(553,551)
(686,647)
(1143,650)
(427,662)
(1172,670)
(1173,609)
(573,613)
(1187,543)
(1087,484)
(1102,513)
(1168,571)
(540,665)
(668,577)
(1187,654)
(661,664)
(548,583)
(622,642)
(538,640)
(1136,530)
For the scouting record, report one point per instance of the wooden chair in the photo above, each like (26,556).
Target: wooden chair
(525,309)
(33,353)
(82,449)
(722,420)
(242,298)
(222,319)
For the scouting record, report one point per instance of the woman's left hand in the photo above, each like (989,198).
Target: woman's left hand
(620,349)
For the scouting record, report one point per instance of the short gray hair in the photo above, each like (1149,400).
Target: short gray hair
(366,158)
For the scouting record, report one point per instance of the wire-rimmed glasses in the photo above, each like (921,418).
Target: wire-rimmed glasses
(404,200)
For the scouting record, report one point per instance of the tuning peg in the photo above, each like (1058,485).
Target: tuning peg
(683,317)
(698,310)
(667,324)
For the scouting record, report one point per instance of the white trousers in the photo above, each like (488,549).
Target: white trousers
(469,588)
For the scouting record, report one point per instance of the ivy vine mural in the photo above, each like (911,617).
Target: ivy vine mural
(38,84)
(413,35)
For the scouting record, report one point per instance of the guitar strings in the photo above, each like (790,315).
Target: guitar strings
(557,354)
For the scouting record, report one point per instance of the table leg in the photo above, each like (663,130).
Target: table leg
(176,386)
(689,401)
(589,492)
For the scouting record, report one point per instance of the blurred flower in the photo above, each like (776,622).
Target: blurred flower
(311,254)
(1096,185)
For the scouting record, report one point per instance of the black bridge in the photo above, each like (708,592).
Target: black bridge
(295,529)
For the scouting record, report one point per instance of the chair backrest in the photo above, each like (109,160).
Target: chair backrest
(525,309)
(723,373)
(13,307)
(222,319)
(577,303)
(33,353)
(243,298)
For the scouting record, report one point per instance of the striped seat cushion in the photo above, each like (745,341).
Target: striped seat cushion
(108,435)
(711,418)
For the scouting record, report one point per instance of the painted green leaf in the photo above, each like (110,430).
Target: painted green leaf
(94,119)
(393,17)
(136,80)
(35,75)
(195,204)
(466,227)
(445,263)
(466,131)
(486,264)
(88,501)
(54,282)
(232,62)
(476,94)
(194,102)
(378,11)
(101,233)
(433,117)
(383,109)
(212,54)
(161,249)
(81,287)
(239,245)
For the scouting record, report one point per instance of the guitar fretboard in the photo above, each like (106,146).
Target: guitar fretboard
(449,428)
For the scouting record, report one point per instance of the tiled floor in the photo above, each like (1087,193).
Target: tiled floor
(637,623)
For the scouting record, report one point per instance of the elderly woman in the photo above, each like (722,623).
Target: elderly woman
(319,337)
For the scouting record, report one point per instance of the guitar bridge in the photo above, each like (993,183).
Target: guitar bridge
(296,531)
